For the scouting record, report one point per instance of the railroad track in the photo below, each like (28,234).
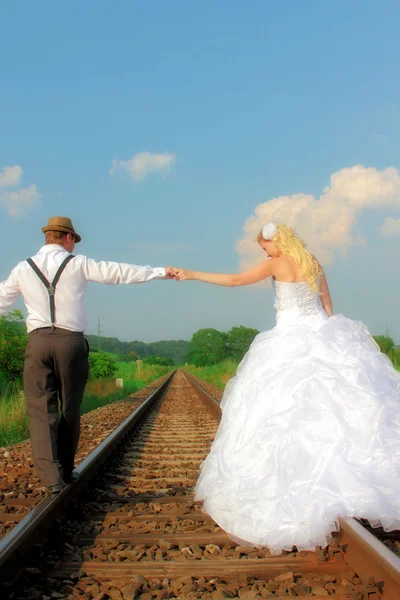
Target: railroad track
(133,530)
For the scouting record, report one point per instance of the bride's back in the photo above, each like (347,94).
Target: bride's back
(287,270)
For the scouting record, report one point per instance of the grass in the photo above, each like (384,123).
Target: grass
(13,417)
(103,392)
(142,373)
(218,374)
(221,373)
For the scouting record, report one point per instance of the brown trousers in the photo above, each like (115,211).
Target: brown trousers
(55,374)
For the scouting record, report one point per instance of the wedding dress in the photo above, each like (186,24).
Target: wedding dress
(310,431)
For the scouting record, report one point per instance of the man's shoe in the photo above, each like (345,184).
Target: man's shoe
(70,478)
(57,488)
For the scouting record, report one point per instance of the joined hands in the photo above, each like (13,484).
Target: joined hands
(178,274)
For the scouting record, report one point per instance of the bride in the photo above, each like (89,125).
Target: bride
(310,427)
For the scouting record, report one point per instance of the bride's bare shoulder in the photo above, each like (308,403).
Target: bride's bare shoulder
(286,267)
(287,261)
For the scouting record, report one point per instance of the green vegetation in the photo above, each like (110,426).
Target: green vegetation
(142,373)
(101,365)
(159,360)
(105,392)
(210,346)
(13,417)
(13,340)
(175,349)
(104,365)
(387,346)
(218,375)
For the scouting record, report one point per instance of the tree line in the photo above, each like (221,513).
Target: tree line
(207,347)
(210,346)
(174,349)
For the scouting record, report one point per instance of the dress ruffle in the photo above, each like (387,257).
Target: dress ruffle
(310,431)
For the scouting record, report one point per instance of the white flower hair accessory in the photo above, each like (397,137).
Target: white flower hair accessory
(269,230)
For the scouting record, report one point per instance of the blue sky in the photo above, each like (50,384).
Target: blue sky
(236,104)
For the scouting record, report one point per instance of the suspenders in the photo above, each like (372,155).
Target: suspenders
(51,287)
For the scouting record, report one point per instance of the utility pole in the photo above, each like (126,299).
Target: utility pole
(387,331)
(99,326)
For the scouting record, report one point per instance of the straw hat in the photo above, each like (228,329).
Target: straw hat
(61,224)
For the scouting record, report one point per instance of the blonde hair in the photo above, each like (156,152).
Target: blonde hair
(288,244)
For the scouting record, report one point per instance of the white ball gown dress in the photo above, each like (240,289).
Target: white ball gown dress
(310,431)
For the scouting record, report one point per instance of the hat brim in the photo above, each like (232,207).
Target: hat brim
(63,229)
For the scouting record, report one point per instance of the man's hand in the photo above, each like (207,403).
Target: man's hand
(171,272)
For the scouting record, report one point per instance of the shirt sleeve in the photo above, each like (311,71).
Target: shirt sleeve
(9,292)
(113,272)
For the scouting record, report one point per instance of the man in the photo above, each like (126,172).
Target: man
(53,284)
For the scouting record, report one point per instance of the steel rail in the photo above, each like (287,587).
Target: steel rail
(369,557)
(209,400)
(20,539)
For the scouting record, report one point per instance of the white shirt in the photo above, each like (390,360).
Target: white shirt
(70,291)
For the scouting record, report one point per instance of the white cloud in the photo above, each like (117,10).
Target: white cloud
(10,176)
(18,201)
(143,163)
(327,223)
(390,227)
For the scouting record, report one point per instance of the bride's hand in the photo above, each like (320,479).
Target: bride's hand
(183,274)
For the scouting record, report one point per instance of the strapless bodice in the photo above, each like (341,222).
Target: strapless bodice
(297,300)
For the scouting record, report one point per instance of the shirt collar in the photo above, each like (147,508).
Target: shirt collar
(52,248)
